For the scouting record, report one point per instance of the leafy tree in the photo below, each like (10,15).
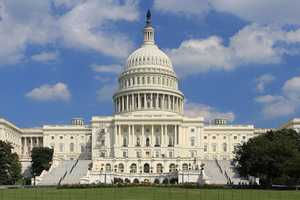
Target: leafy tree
(273,157)
(10,167)
(41,159)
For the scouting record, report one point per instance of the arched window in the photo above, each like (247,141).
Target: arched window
(71,147)
(133,168)
(172,167)
(147,142)
(121,167)
(159,168)
(108,167)
(138,142)
(146,168)
(185,167)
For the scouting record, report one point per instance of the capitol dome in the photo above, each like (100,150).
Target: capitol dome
(148,82)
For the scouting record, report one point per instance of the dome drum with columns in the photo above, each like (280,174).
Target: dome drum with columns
(148,82)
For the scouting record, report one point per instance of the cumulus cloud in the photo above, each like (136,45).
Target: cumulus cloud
(285,104)
(264,12)
(45,57)
(209,113)
(186,7)
(254,44)
(56,92)
(114,69)
(84,25)
(106,92)
(263,80)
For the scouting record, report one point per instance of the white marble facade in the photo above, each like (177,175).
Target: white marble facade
(148,135)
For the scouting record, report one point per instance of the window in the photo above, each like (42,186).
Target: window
(102,154)
(124,154)
(192,141)
(157,154)
(244,137)
(205,137)
(138,143)
(205,148)
(170,154)
(124,142)
(235,137)
(133,168)
(224,147)
(157,142)
(108,167)
(71,147)
(61,137)
(147,154)
(185,167)
(71,137)
(147,142)
(192,130)
(102,142)
(52,137)
(159,168)
(138,154)
(224,137)
(214,137)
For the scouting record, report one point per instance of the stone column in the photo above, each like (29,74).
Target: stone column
(139,101)
(166,134)
(169,102)
(129,136)
(132,102)
(143,136)
(152,136)
(145,100)
(161,136)
(175,135)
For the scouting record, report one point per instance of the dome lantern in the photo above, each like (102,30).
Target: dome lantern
(148,31)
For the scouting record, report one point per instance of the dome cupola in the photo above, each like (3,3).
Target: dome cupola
(148,82)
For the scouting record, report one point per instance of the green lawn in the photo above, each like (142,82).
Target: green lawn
(145,193)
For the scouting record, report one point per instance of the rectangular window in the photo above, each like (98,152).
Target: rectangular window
(170,154)
(124,154)
(205,148)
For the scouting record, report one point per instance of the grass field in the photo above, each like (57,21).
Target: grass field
(145,193)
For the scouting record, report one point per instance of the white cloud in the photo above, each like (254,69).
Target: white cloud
(282,105)
(258,11)
(106,92)
(209,113)
(85,25)
(266,11)
(115,69)
(254,44)
(187,7)
(262,81)
(45,57)
(56,92)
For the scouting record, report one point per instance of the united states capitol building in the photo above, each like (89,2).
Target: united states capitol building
(148,138)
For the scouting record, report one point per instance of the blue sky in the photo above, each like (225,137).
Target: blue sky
(239,60)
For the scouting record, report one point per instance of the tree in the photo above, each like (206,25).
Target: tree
(10,167)
(273,157)
(41,159)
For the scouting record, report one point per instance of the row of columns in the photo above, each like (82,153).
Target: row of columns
(168,135)
(132,102)
(29,142)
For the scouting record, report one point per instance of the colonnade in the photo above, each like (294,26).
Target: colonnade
(146,135)
(29,142)
(141,101)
